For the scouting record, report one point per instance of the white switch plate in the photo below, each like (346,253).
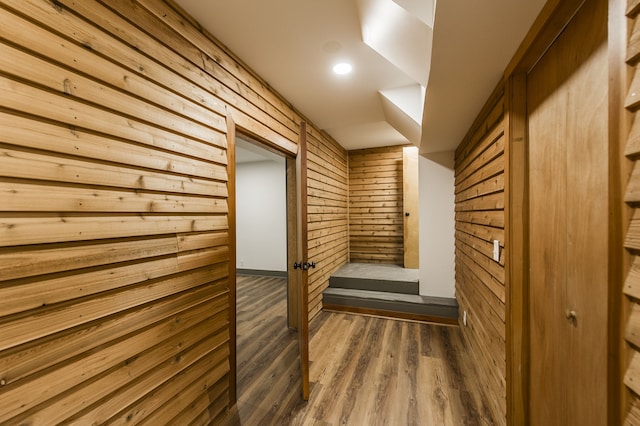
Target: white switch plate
(464,318)
(496,250)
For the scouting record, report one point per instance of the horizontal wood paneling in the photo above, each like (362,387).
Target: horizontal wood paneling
(632,238)
(114,243)
(327,212)
(480,281)
(375,205)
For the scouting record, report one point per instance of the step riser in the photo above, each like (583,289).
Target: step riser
(404,287)
(431,310)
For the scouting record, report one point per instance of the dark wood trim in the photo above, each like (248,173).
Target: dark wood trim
(620,169)
(231,202)
(552,19)
(516,239)
(302,233)
(293,277)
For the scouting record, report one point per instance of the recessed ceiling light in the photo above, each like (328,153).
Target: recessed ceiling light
(342,68)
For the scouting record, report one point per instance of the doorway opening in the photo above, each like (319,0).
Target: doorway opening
(264,241)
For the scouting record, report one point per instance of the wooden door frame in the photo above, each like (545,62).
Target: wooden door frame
(554,17)
(231,218)
(293,285)
(297,302)
(301,242)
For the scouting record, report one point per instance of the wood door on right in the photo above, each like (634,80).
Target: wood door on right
(568,224)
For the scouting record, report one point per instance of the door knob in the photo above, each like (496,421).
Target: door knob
(571,315)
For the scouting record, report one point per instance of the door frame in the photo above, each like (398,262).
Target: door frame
(554,17)
(297,301)
(302,254)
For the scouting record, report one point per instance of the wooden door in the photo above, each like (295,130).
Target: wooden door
(303,256)
(568,224)
(410,201)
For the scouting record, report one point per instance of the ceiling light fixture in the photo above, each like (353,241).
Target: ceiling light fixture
(342,68)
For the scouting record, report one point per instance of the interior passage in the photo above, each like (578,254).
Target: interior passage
(364,370)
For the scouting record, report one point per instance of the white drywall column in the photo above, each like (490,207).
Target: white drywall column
(261,217)
(437,225)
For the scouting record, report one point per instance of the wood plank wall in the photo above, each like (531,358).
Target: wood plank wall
(113,213)
(327,212)
(480,290)
(375,205)
(632,240)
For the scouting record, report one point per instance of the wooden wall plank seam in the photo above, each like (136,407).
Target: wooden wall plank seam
(480,281)
(632,237)
(375,205)
(327,231)
(114,220)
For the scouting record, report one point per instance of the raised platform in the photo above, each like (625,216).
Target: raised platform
(377,277)
(385,290)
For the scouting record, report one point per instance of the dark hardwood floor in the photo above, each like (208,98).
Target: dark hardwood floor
(363,370)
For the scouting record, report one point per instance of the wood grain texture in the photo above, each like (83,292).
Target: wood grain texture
(116,214)
(302,250)
(327,214)
(632,238)
(516,239)
(376,215)
(569,253)
(411,202)
(480,219)
(364,370)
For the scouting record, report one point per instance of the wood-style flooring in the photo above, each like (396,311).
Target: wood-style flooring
(363,370)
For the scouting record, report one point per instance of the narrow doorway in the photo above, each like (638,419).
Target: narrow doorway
(267,349)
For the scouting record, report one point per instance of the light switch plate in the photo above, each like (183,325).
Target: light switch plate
(496,250)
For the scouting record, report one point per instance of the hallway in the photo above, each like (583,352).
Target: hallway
(363,370)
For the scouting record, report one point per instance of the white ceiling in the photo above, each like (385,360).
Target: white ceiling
(293,44)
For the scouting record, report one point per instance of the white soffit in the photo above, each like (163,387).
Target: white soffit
(368,135)
(408,98)
(397,35)
(400,121)
(422,9)
(402,108)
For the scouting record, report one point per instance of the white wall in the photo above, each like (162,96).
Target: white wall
(261,207)
(437,224)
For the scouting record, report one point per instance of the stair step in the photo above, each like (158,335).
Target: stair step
(391,304)
(384,278)
(404,287)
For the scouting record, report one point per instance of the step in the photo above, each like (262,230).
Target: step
(375,277)
(396,305)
